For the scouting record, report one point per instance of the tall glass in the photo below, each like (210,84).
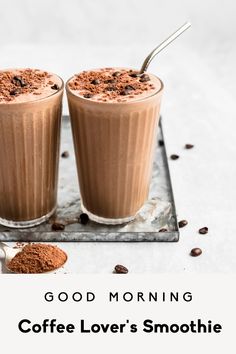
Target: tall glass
(114,146)
(29,154)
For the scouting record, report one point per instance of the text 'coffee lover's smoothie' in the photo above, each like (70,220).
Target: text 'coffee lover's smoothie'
(114,115)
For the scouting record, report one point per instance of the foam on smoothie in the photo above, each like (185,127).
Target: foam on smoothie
(25,85)
(114,85)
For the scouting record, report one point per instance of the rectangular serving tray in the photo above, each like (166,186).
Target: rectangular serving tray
(159,212)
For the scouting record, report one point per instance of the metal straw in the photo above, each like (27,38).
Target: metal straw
(164,44)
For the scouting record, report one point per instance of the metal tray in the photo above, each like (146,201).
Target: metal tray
(157,213)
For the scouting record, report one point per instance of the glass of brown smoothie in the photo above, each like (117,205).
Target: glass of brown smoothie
(30,118)
(114,114)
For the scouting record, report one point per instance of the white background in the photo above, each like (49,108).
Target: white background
(199,74)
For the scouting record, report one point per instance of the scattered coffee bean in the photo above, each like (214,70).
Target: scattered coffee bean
(56,226)
(174,157)
(195,252)
(116,74)
(183,223)
(144,78)
(203,230)
(189,146)
(160,142)
(110,81)
(15,92)
(129,88)
(120,269)
(65,154)
(95,82)
(88,95)
(55,87)
(84,219)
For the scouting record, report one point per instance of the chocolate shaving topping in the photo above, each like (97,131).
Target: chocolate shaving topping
(26,81)
(109,84)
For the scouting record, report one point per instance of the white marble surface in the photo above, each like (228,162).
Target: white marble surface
(198,107)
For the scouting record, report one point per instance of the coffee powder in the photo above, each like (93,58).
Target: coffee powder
(37,258)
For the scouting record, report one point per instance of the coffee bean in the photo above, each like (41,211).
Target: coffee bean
(110,81)
(144,78)
(174,157)
(203,230)
(163,230)
(84,219)
(124,92)
(65,154)
(95,82)
(120,269)
(55,87)
(18,81)
(189,146)
(116,74)
(129,88)
(183,223)
(134,75)
(23,83)
(160,142)
(56,226)
(15,92)
(195,252)
(88,95)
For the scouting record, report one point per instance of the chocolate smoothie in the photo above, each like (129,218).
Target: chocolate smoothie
(114,114)
(30,117)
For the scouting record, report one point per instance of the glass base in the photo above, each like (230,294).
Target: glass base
(27,223)
(107,221)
